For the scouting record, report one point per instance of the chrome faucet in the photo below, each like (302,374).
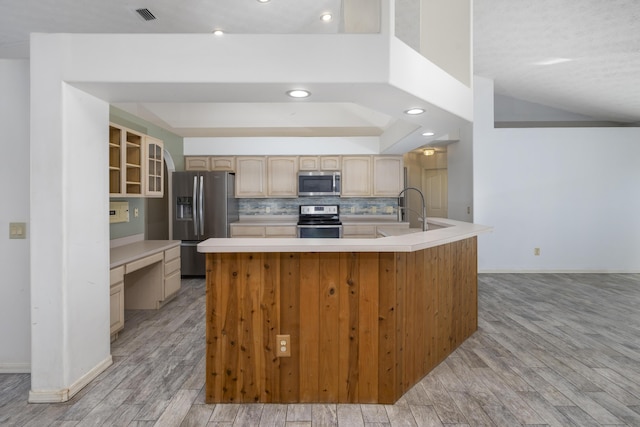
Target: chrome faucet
(424,206)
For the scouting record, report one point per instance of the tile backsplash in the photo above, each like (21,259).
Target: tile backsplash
(348,206)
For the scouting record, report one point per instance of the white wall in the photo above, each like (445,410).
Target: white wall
(572,192)
(70,232)
(460,176)
(15,351)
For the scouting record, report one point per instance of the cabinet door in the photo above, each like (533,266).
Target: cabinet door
(309,163)
(116,159)
(356,176)
(388,176)
(116,300)
(251,177)
(155,167)
(281,231)
(247,231)
(282,175)
(330,163)
(196,163)
(222,163)
(134,146)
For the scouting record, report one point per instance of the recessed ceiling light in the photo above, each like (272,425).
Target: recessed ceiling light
(326,17)
(264,1)
(298,93)
(414,111)
(429,133)
(429,152)
(218,32)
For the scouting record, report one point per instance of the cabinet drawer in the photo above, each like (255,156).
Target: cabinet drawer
(172,253)
(247,231)
(116,275)
(144,262)
(281,231)
(359,230)
(171,284)
(171,266)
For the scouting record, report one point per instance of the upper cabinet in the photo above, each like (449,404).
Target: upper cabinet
(155,167)
(277,176)
(388,176)
(214,163)
(319,163)
(282,176)
(196,163)
(372,176)
(356,176)
(251,174)
(136,166)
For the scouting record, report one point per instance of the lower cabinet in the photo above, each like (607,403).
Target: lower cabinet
(116,301)
(171,272)
(269,231)
(358,231)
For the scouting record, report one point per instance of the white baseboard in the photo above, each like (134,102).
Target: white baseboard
(15,368)
(63,395)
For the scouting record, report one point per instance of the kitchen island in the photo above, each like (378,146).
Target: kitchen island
(336,320)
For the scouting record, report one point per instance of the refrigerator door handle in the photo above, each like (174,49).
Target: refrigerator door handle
(201,207)
(194,205)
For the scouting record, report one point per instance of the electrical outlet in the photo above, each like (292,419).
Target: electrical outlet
(536,251)
(135,212)
(389,209)
(353,209)
(374,209)
(283,345)
(268,209)
(468,210)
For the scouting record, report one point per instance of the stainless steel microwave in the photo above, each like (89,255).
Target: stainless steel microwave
(319,183)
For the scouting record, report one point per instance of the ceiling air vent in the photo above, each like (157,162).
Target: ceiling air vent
(146,14)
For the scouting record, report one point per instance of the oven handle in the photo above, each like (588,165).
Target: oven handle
(319,226)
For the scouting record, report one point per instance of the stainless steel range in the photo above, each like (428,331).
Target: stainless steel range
(319,221)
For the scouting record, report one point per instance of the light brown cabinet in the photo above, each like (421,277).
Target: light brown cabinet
(251,177)
(222,163)
(372,176)
(136,166)
(198,163)
(323,163)
(282,177)
(155,167)
(388,176)
(268,231)
(171,272)
(116,301)
(356,176)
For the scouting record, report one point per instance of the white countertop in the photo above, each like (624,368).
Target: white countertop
(121,255)
(452,231)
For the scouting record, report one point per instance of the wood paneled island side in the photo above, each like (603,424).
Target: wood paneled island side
(366,319)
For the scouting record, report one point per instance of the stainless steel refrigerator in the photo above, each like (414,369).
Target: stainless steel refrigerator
(204,206)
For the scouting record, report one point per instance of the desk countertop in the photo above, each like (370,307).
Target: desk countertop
(121,255)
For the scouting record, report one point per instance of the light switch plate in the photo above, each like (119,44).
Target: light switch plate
(17,230)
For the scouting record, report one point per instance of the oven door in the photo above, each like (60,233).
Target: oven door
(320,231)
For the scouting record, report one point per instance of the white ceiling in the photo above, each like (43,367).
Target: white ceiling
(602,39)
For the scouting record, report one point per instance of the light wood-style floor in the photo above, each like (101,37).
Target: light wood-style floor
(552,349)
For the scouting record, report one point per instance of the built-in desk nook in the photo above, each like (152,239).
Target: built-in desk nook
(144,275)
